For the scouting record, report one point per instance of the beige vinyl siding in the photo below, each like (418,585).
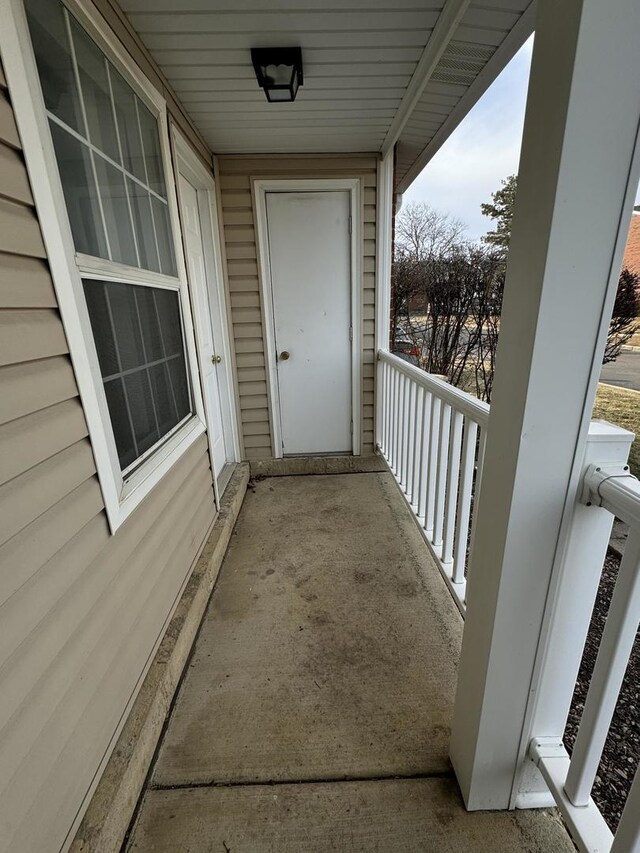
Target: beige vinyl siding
(235,175)
(81,611)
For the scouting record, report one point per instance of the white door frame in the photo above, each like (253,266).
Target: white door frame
(288,185)
(188,164)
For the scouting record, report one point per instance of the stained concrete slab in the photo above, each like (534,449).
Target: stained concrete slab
(329,647)
(398,816)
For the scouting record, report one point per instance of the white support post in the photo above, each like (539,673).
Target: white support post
(384,237)
(571,598)
(577,180)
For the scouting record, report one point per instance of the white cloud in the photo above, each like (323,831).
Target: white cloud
(484,149)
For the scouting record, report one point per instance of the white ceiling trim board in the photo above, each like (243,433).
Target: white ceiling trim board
(443,31)
(511,44)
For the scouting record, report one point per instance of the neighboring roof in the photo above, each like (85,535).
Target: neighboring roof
(375,72)
(632,252)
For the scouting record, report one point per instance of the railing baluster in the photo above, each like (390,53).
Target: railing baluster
(441,477)
(415,448)
(464,500)
(425,432)
(384,380)
(453,476)
(432,463)
(402,450)
(611,663)
(411,439)
(627,838)
(396,417)
(406,404)
(482,443)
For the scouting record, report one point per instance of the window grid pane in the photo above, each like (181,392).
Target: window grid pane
(138,331)
(102,111)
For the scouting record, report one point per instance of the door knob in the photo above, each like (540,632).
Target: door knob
(284,355)
(216,359)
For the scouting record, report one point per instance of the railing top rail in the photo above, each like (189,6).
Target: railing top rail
(473,408)
(615,490)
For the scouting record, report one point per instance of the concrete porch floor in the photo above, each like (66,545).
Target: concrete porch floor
(314,713)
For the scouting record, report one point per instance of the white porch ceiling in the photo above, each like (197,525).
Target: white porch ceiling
(359,59)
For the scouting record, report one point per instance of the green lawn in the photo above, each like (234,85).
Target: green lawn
(621,406)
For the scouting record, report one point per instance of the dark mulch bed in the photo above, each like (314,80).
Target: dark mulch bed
(622,748)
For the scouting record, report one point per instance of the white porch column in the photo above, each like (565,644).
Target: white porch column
(384,240)
(578,175)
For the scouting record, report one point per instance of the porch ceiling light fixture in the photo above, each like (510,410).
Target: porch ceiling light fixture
(278,71)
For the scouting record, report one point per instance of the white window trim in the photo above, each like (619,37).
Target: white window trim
(260,189)
(120,497)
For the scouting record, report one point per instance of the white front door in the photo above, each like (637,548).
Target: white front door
(310,263)
(206,311)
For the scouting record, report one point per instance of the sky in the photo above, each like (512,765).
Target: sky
(484,149)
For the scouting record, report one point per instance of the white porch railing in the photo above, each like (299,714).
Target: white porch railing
(571,779)
(432,436)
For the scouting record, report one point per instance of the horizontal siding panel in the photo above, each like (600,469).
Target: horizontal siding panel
(238,217)
(241,251)
(291,21)
(257,415)
(369,213)
(83,613)
(235,182)
(247,330)
(68,564)
(230,165)
(29,440)
(84,735)
(242,315)
(252,389)
(239,234)
(26,497)
(243,284)
(29,550)
(257,440)
(250,374)
(8,130)
(257,401)
(242,268)
(19,230)
(73,689)
(369,248)
(259,453)
(239,198)
(249,359)
(25,283)
(256,428)
(248,299)
(251,345)
(14,183)
(35,385)
(27,335)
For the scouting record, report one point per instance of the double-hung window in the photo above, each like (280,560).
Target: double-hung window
(107,138)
